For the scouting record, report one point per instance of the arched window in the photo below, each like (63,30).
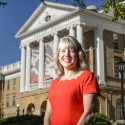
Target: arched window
(43,107)
(30,109)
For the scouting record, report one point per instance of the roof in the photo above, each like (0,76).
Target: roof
(58,12)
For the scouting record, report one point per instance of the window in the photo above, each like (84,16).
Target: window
(14,101)
(14,84)
(116,69)
(118,109)
(8,85)
(115,41)
(7,102)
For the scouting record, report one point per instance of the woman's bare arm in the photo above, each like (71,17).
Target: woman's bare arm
(47,117)
(88,103)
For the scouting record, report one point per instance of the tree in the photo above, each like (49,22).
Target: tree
(3,4)
(117,7)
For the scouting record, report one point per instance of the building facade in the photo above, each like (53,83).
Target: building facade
(25,85)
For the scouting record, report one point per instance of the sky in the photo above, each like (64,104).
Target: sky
(12,18)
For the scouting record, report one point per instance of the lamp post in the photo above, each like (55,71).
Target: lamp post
(23,111)
(111,111)
(121,66)
(18,110)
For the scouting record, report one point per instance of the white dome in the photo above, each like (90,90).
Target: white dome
(92,7)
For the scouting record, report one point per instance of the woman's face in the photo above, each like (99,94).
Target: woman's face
(68,57)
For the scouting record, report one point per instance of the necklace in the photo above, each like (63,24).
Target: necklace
(66,77)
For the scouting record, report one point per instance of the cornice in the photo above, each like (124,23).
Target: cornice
(101,16)
(111,88)
(9,72)
(34,92)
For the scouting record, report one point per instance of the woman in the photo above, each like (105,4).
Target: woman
(71,95)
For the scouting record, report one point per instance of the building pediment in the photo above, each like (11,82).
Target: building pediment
(46,12)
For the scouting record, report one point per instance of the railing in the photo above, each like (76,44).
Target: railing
(10,67)
(47,83)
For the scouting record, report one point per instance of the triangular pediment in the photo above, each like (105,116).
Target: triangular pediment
(47,15)
(45,12)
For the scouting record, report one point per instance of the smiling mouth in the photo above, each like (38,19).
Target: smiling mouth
(67,60)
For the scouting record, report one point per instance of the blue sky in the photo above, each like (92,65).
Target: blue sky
(12,17)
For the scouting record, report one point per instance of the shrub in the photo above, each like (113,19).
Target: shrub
(100,119)
(22,120)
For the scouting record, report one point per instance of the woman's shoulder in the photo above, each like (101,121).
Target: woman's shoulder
(55,80)
(86,73)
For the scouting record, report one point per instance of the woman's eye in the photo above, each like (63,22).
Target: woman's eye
(62,50)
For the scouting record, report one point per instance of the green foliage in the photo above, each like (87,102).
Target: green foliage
(22,120)
(3,4)
(117,8)
(100,119)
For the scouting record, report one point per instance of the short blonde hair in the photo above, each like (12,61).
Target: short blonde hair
(70,41)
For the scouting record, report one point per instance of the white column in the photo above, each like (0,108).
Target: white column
(99,47)
(80,35)
(56,41)
(28,67)
(23,68)
(72,31)
(41,64)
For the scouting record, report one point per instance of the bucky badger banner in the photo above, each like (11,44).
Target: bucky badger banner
(34,63)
